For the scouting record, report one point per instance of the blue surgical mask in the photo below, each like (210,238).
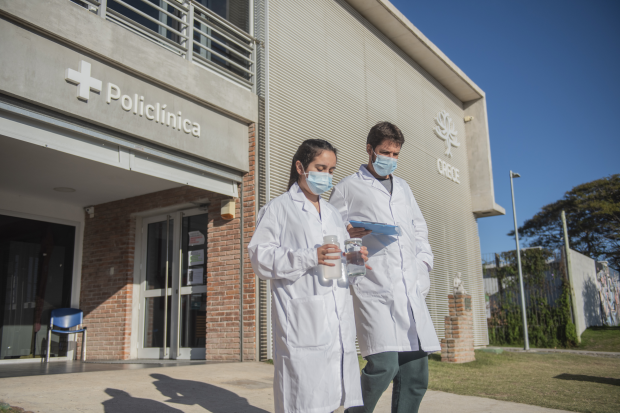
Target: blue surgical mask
(318,182)
(384,165)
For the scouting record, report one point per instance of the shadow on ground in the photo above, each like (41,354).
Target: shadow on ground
(183,392)
(212,398)
(593,379)
(122,402)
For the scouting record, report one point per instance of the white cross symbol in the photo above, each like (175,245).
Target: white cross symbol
(83,81)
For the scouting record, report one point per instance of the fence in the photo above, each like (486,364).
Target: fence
(191,30)
(547,298)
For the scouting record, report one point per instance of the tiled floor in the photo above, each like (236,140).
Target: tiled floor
(62,367)
(169,388)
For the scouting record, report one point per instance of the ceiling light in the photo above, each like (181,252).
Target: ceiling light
(64,189)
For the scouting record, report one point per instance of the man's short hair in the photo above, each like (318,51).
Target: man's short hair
(382,131)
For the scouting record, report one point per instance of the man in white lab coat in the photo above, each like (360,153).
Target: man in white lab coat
(394,328)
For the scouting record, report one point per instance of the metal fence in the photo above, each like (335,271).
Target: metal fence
(546,299)
(190,30)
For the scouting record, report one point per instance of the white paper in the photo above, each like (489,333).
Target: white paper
(196,257)
(194,276)
(196,238)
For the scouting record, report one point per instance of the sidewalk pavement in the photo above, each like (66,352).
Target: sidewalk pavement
(216,388)
(556,350)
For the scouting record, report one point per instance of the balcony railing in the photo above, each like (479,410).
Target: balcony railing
(188,29)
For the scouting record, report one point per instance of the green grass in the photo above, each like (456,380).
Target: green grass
(601,339)
(6,408)
(593,339)
(559,381)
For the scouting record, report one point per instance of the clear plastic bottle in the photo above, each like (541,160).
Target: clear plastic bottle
(335,272)
(355,262)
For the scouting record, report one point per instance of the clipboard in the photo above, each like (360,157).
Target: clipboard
(376,227)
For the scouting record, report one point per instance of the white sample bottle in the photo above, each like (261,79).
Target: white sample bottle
(335,272)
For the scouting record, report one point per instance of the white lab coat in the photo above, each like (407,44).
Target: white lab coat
(390,311)
(313,324)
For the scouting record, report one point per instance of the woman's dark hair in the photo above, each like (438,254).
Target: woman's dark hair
(307,151)
(382,131)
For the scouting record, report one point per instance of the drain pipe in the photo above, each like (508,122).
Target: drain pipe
(241,270)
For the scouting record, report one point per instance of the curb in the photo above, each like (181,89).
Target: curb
(553,350)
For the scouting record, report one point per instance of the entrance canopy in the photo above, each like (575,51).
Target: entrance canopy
(47,156)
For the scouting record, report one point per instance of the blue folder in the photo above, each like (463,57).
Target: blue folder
(377,228)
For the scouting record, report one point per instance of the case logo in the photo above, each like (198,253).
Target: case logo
(445,130)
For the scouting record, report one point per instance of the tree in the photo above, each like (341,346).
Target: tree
(592,217)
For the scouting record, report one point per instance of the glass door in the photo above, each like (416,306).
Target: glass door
(174,291)
(36,272)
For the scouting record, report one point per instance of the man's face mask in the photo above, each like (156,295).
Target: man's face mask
(384,165)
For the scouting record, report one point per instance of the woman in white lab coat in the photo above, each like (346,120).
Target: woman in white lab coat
(316,366)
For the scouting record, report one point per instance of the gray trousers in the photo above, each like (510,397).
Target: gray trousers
(408,370)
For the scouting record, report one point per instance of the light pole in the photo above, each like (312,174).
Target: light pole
(514,214)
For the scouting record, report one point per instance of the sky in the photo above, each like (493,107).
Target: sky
(551,73)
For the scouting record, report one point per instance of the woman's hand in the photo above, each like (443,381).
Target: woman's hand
(323,254)
(364,252)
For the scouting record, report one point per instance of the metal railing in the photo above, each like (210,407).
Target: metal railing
(188,29)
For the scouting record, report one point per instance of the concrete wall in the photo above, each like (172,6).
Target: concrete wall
(36,73)
(583,273)
(479,159)
(78,28)
(353,77)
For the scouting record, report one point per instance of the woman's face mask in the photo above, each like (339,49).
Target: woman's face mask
(318,182)
(384,165)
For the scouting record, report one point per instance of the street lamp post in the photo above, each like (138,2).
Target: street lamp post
(514,214)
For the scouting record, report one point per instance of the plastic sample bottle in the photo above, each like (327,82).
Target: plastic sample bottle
(355,262)
(335,272)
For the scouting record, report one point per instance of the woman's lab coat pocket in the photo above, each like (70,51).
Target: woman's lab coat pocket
(307,322)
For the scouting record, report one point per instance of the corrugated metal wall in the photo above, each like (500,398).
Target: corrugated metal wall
(261,177)
(332,75)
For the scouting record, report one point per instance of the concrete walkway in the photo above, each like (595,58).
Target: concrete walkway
(557,350)
(215,388)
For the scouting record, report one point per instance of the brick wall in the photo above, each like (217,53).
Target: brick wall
(109,243)
(223,277)
(458,344)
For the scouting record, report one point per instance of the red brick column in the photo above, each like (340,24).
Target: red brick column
(223,270)
(458,344)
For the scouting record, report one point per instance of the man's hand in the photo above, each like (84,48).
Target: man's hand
(364,252)
(323,251)
(357,232)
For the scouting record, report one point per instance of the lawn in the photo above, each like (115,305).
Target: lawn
(601,339)
(559,381)
(592,339)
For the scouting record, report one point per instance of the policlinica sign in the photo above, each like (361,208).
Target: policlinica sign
(85,83)
(157,112)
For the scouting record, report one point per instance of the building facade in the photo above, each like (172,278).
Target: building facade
(128,130)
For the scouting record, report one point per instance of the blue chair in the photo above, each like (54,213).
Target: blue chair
(66,318)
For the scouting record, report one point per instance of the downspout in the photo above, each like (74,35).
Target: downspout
(241,270)
(267,169)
